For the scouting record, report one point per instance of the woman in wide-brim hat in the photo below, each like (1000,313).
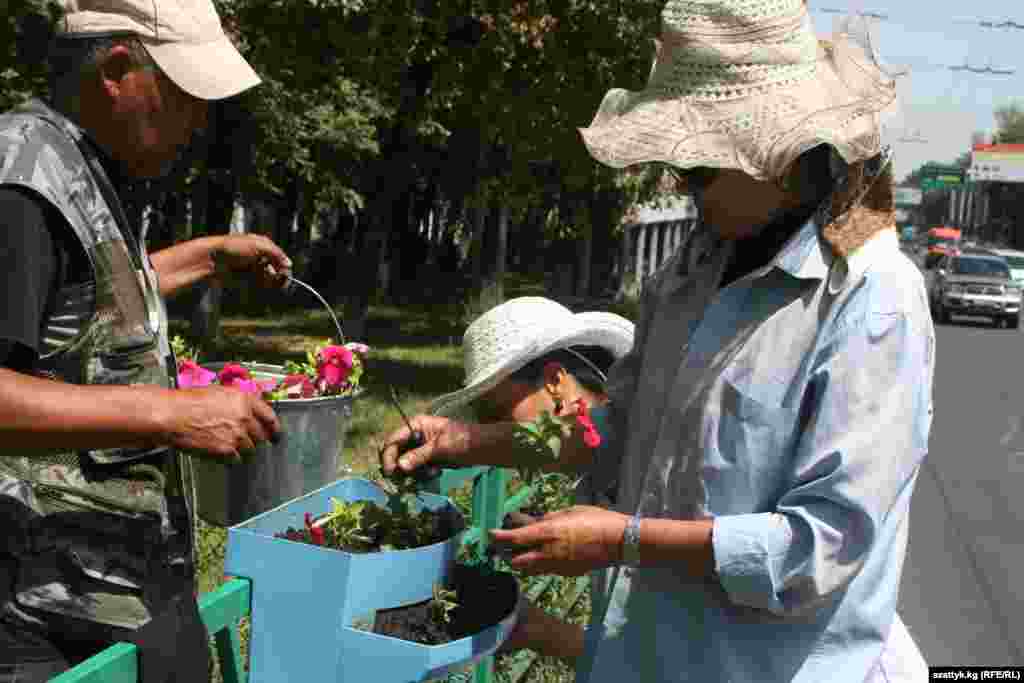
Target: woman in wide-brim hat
(774,411)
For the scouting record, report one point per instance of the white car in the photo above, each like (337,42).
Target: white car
(1016,261)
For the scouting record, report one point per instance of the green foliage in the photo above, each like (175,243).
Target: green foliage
(540,442)
(480,302)
(24,32)
(364,98)
(345,525)
(443,604)
(1010,123)
(364,526)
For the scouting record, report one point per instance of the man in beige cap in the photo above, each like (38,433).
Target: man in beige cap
(97,544)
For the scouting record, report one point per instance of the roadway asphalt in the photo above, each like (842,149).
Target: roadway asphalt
(962,595)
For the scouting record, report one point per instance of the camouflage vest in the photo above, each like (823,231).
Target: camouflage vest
(102,535)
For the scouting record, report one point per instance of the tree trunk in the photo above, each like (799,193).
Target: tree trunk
(604,251)
(478,216)
(586,254)
(213,206)
(501,252)
(303,259)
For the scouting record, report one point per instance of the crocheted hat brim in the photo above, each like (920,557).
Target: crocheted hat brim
(761,129)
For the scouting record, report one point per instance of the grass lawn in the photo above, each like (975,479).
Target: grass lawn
(414,348)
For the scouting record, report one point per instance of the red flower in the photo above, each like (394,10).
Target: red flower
(299,385)
(190,374)
(334,364)
(231,373)
(317,533)
(591,437)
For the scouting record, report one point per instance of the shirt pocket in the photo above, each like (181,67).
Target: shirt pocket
(749,447)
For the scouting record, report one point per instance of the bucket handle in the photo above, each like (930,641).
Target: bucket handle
(337,325)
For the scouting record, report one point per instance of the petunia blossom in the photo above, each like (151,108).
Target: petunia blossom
(591,437)
(317,533)
(231,373)
(334,364)
(248,386)
(298,386)
(191,374)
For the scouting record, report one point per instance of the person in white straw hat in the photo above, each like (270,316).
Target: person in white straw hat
(518,333)
(530,355)
(774,412)
(98,543)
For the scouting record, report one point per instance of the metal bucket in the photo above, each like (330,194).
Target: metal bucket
(306,458)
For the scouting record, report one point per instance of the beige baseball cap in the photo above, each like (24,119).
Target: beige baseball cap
(184,37)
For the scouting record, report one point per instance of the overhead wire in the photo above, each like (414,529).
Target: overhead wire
(966,67)
(963,73)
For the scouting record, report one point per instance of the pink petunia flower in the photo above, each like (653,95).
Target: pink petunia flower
(299,386)
(334,364)
(232,373)
(191,374)
(247,385)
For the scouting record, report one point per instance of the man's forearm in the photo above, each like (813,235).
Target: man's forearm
(46,415)
(183,265)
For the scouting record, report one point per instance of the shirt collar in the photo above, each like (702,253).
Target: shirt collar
(805,256)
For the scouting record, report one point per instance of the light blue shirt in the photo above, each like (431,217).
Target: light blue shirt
(793,408)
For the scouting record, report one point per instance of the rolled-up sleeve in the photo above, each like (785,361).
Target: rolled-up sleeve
(867,414)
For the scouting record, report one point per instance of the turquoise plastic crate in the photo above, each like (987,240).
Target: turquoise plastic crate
(308,598)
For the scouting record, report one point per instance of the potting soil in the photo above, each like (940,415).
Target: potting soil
(484,598)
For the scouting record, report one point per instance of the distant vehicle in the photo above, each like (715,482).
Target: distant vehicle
(941,242)
(976,283)
(1015,259)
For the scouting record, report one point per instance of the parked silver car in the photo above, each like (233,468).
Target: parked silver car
(975,284)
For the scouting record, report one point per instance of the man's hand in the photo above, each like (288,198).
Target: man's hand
(250,255)
(445,441)
(219,422)
(568,542)
(545,634)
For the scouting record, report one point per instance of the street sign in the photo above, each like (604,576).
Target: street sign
(998,164)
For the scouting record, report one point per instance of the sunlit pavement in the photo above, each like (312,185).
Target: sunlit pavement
(962,595)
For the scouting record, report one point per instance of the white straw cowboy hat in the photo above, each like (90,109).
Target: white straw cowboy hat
(184,37)
(745,84)
(507,337)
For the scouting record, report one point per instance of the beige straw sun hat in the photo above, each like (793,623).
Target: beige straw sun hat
(511,335)
(746,84)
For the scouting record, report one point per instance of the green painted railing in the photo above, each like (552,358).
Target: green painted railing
(222,609)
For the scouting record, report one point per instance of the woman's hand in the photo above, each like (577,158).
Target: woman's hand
(251,255)
(569,542)
(445,442)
